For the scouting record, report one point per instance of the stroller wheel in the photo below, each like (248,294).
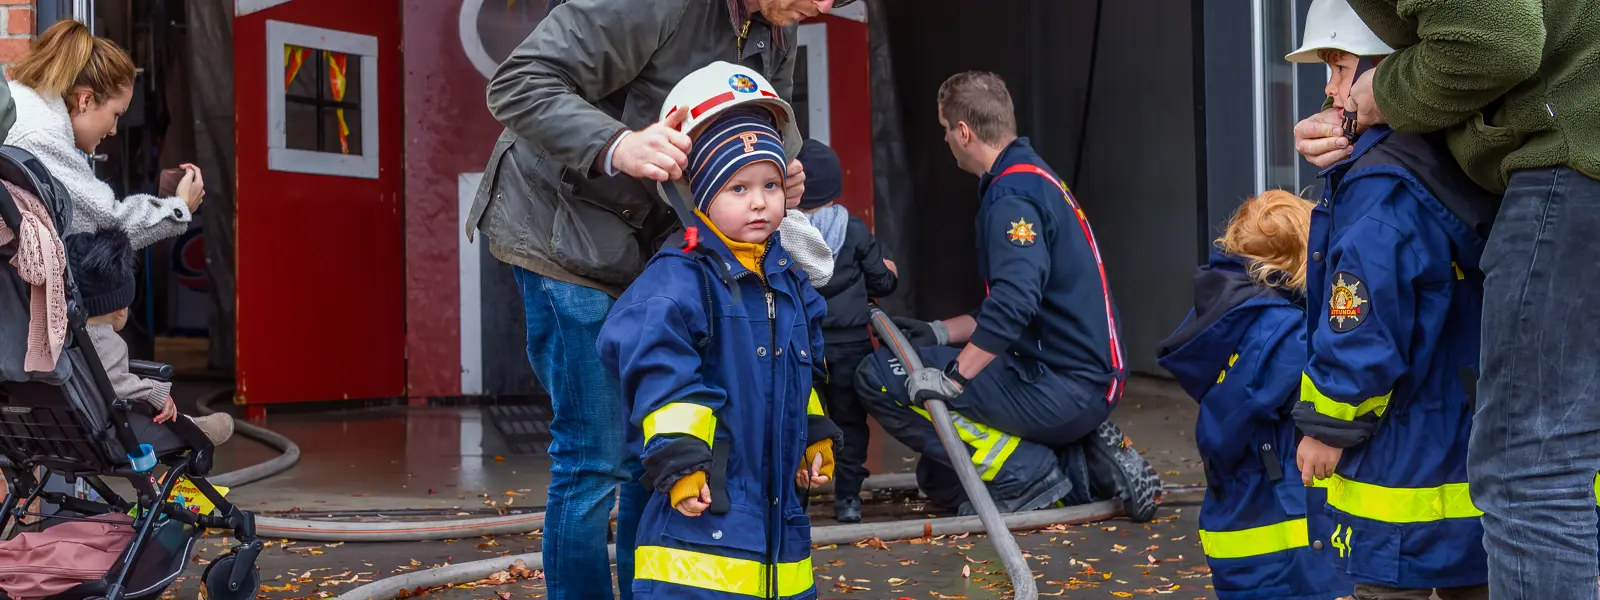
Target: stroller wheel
(216,580)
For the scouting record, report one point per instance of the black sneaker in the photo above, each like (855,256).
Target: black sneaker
(847,509)
(1112,457)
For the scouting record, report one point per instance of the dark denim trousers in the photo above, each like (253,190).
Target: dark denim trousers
(1535,444)
(588,450)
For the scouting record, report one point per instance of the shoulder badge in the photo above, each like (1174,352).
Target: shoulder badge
(1347,302)
(1022,233)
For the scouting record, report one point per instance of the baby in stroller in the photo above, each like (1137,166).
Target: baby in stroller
(104,265)
(73,409)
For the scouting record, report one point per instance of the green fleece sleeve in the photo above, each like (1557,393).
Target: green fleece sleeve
(1469,53)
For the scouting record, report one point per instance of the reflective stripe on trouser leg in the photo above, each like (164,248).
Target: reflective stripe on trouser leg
(991,447)
(720,573)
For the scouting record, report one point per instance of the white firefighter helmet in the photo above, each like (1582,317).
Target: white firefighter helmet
(1333,25)
(714,89)
(719,86)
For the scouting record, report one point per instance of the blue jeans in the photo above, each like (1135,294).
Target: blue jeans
(1535,443)
(588,449)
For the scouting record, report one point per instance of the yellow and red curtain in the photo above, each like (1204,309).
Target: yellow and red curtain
(294,57)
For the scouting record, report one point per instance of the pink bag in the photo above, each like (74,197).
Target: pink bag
(39,564)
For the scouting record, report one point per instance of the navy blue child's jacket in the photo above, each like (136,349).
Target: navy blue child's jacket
(1239,353)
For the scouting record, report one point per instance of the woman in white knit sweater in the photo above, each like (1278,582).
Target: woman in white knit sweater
(69,92)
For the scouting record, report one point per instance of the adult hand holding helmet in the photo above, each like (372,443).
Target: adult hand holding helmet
(659,152)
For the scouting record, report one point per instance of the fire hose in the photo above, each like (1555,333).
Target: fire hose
(1005,546)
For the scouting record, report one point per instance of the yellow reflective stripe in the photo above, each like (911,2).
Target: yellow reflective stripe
(991,447)
(814,405)
(720,573)
(1255,541)
(1333,408)
(1400,505)
(681,418)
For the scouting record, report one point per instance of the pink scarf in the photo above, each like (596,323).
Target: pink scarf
(41,260)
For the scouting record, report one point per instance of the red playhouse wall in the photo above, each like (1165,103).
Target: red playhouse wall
(850,114)
(320,282)
(448,132)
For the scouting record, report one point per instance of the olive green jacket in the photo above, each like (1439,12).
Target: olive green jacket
(1514,84)
(590,70)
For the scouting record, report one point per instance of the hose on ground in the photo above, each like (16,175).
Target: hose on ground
(385,589)
(306,529)
(289,451)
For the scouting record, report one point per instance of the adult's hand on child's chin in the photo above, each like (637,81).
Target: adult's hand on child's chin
(1320,138)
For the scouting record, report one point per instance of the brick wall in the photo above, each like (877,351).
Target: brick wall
(16,28)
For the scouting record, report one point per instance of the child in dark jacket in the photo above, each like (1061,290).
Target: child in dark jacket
(717,347)
(104,267)
(1394,295)
(860,272)
(1239,354)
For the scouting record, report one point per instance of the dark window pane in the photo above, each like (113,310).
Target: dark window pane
(330,128)
(352,76)
(300,126)
(304,83)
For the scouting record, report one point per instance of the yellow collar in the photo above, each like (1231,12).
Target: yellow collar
(748,254)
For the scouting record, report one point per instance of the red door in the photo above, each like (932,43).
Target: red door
(321,298)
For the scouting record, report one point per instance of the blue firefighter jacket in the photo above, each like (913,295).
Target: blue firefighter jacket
(717,366)
(1239,353)
(1394,295)
(1048,300)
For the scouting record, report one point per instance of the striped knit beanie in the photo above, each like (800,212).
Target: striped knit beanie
(740,139)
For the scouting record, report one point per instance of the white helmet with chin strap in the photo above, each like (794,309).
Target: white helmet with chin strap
(715,89)
(1333,25)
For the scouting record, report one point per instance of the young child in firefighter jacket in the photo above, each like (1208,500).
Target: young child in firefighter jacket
(1393,292)
(1239,354)
(718,351)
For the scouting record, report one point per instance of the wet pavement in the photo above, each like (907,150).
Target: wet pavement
(467,459)
(1098,560)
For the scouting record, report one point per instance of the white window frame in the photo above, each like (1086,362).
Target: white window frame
(282,158)
(813,40)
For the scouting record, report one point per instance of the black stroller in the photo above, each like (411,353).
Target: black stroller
(66,428)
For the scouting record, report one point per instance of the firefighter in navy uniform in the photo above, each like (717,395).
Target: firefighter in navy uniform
(1042,367)
(1394,296)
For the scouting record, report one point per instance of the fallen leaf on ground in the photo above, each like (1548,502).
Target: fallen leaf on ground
(835,563)
(966,571)
(896,581)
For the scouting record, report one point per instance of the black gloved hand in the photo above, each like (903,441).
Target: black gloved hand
(923,333)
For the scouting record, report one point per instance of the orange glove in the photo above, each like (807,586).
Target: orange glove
(690,495)
(817,468)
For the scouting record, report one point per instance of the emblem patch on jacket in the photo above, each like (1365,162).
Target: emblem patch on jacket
(1022,233)
(1347,302)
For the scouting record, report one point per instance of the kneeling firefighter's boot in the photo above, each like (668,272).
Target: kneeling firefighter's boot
(1117,470)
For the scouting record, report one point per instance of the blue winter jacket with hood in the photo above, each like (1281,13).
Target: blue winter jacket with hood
(1239,353)
(717,367)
